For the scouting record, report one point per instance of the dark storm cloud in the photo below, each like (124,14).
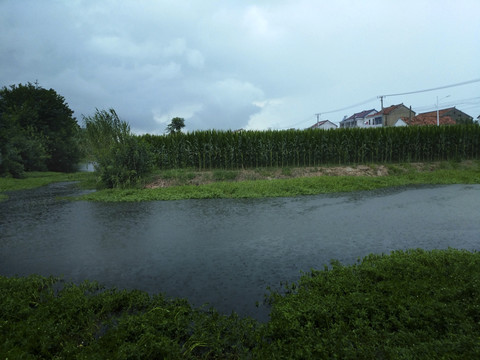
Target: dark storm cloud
(237,65)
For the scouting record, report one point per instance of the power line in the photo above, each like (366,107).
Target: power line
(332,111)
(348,107)
(469,101)
(383,96)
(432,89)
(298,123)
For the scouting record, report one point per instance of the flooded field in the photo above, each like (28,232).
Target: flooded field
(225,252)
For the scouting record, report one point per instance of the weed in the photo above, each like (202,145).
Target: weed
(224,175)
(408,304)
(287,171)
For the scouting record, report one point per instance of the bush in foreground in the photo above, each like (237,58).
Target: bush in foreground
(120,158)
(406,305)
(412,304)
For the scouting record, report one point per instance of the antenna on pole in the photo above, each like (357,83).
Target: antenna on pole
(318,117)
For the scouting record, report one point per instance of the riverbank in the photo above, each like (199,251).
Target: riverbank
(178,184)
(36,179)
(409,304)
(181,184)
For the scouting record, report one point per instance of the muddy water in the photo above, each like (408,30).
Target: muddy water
(225,252)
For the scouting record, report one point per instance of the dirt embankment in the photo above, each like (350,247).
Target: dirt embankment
(210,176)
(193,177)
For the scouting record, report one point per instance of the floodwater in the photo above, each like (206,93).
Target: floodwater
(225,252)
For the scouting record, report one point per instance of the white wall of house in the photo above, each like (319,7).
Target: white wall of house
(327,125)
(373,121)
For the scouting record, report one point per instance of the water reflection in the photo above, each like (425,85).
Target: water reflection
(224,252)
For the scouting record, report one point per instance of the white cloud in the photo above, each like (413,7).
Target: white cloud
(231,92)
(270,115)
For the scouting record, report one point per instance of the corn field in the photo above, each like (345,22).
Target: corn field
(282,148)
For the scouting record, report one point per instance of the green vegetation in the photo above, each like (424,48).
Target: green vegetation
(412,304)
(121,158)
(253,149)
(408,305)
(183,183)
(176,125)
(36,179)
(403,175)
(37,131)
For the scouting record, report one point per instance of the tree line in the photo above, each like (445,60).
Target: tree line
(38,133)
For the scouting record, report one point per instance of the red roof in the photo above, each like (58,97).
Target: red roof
(389,109)
(385,111)
(429,118)
(441,112)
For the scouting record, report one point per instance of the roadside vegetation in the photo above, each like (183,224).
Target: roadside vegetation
(411,304)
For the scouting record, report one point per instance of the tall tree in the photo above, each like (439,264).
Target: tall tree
(175,125)
(37,130)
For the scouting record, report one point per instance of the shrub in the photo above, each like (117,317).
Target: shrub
(120,157)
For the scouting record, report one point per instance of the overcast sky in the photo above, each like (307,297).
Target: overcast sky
(243,64)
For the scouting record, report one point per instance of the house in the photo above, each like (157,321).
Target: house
(401,122)
(388,116)
(324,124)
(445,117)
(357,119)
(449,116)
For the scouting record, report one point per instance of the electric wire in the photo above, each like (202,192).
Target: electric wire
(433,89)
(397,94)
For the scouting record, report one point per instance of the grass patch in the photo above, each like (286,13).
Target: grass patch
(286,171)
(408,305)
(179,184)
(37,179)
(224,175)
(289,187)
(181,175)
(411,304)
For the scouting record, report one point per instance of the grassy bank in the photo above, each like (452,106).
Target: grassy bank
(188,184)
(38,179)
(407,305)
(262,182)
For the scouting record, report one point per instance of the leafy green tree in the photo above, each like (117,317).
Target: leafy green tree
(120,157)
(37,131)
(176,125)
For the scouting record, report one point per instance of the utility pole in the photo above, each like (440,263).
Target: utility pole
(318,117)
(381,100)
(438,110)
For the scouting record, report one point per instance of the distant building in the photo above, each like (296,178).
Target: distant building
(449,116)
(357,119)
(388,116)
(324,124)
